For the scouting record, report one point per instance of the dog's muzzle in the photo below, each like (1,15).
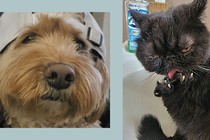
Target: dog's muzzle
(59,76)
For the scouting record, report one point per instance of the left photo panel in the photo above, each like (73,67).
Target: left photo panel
(54,70)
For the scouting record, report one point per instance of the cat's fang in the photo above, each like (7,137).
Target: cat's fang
(169,85)
(191,75)
(182,78)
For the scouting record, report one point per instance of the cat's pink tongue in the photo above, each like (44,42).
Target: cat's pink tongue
(172,72)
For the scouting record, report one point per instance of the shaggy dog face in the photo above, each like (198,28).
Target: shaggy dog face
(49,77)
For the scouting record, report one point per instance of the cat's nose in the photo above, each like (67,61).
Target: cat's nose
(170,57)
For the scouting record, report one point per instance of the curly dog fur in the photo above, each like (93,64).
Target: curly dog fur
(27,97)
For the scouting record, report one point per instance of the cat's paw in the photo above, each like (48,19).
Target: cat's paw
(164,87)
(167,85)
(186,77)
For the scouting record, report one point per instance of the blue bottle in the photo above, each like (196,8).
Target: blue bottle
(134,32)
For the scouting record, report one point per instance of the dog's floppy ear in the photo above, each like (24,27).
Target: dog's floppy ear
(100,108)
(2,118)
(95,55)
(105,118)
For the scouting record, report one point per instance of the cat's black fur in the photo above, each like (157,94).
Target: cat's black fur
(176,43)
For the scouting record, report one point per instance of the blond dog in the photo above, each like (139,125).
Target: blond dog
(50,76)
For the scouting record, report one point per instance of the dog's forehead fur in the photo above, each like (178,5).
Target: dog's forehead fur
(56,30)
(47,24)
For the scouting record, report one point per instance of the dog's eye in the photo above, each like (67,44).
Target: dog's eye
(29,38)
(80,45)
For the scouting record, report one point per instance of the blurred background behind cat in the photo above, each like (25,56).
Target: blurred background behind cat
(171,3)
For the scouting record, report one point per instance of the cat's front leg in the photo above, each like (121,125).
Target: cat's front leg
(164,87)
(167,85)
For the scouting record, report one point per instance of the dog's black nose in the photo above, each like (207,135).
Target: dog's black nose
(59,76)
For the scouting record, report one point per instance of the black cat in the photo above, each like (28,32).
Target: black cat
(176,43)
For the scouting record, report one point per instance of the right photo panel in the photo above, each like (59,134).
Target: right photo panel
(166,70)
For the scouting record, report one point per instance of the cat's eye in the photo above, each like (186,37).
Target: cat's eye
(29,38)
(153,56)
(187,49)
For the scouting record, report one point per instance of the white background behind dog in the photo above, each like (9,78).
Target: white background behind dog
(115,37)
(103,20)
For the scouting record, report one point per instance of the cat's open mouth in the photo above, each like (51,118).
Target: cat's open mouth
(172,72)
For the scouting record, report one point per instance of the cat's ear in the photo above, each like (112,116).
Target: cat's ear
(189,12)
(197,8)
(138,17)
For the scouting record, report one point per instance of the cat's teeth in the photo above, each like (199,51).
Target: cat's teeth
(169,85)
(165,81)
(182,78)
(191,75)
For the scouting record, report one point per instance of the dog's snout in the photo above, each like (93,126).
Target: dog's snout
(59,76)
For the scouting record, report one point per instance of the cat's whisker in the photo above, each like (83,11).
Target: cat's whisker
(194,72)
(149,76)
(150,79)
(203,70)
(206,68)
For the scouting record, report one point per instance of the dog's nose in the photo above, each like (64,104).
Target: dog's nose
(59,76)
